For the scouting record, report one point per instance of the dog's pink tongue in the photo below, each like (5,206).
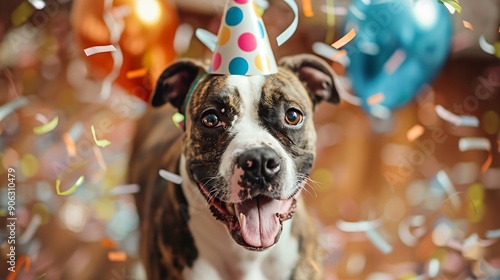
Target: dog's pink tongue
(258,220)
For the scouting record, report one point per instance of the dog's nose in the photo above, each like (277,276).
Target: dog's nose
(260,162)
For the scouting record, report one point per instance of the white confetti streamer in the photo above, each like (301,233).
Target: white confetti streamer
(379,241)
(171,177)
(30,230)
(329,53)
(12,106)
(485,46)
(339,11)
(99,49)
(404,230)
(361,226)
(444,180)
(493,233)
(474,143)
(285,35)
(124,189)
(433,268)
(207,38)
(470,121)
(396,59)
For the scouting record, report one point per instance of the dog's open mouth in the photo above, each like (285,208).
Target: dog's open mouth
(254,223)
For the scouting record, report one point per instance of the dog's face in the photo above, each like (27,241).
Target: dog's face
(250,140)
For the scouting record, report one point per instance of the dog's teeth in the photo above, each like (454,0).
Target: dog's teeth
(230,208)
(241,219)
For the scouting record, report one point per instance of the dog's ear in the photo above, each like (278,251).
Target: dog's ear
(315,74)
(175,82)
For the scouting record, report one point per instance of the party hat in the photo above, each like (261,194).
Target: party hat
(242,46)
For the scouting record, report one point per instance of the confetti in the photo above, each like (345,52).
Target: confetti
(375,99)
(433,268)
(445,182)
(124,189)
(45,128)
(178,120)
(345,39)
(485,46)
(285,35)
(30,230)
(487,163)
(183,37)
(396,59)
(169,176)
(69,144)
(22,13)
(330,53)
(72,189)
(24,262)
(330,21)
(41,118)
(454,4)
(99,49)
(415,132)
(356,12)
(38,4)
(99,157)
(307,8)
(41,276)
(117,256)
(470,121)
(108,243)
(207,38)
(136,73)
(361,226)
(339,54)
(101,143)
(467,25)
(339,11)
(474,143)
(378,241)
(492,234)
(407,237)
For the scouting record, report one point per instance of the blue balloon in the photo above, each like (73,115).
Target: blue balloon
(400,46)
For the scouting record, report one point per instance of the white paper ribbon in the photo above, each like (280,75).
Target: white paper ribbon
(285,35)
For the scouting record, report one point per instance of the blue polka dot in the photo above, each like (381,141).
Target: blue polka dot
(261,29)
(234,16)
(238,66)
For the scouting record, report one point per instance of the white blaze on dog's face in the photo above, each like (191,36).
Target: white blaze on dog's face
(250,143)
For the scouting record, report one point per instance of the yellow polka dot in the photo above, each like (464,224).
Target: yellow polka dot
(29,165)
(225,34)
(491,122)
(262,62)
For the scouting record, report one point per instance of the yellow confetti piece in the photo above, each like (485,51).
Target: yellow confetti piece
(101,143)
(415,132)
(41,276)
(45,128)
(453,4)
(375,99)
(496,46)
(22,13)
(467,25)
(177,118)
(330,21)
(307,8)
(345,39)
(117,256)
(29,165)
(72,189)
(136,73)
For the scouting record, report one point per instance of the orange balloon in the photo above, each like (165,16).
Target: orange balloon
(146,41)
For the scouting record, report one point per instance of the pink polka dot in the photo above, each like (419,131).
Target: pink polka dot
(247,42)
(216,61)
(241,1)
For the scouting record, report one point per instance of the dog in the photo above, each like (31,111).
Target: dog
(244,157)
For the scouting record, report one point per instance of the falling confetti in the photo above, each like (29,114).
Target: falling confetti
(375,99)
(473,143)
(45,128)
(72,189)
(454,4)
(178,119)
(487,163)
(99,49)
(117,256)
(24,262)
(207,38)
(41,276)
(169,176)
(448,116)
(124,189)
(379,241)
(467,25)
(361,226)
(393,63)
(345,39)
(485,46)
(330,21)
(307,8)
(22,13)
(444,180)
(415,132)
(330,53)
(285,35)
(69,144)
(136,73)
(101,143)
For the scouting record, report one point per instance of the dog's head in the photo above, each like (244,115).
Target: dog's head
(249,140)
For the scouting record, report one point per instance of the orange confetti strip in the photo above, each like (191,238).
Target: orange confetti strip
(339,54)
(22,260)
(136,73)
(487,163)
(415,132)
(345,39)
(108,243)
(70,144)
(306,6)
(117,256)
(375,99)
(468,25)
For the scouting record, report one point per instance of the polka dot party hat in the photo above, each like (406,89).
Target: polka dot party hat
(242,46)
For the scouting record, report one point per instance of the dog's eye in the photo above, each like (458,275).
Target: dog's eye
(209,119)
(293,117)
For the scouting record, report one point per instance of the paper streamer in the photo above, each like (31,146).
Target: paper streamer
(207,38)
(492,234)
(474,143)
(339,11)
(375,99)
(379,241)
(450,8)
(393,63)
(12,106)
(99,49)
(444,180)
(30,230)
(485,46)
(72,189)
(345,39)
(136,73)
(453,4)
(415,132)
(285,35)
(361,226)
(470,121)
(171,177)
(307,8)
(467,25)
(117,256)
(124,189)
(45,128)
(408,238)
(330,53)
(330,21)
(101,143)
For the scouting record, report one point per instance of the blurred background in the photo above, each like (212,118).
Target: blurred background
(407,177)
